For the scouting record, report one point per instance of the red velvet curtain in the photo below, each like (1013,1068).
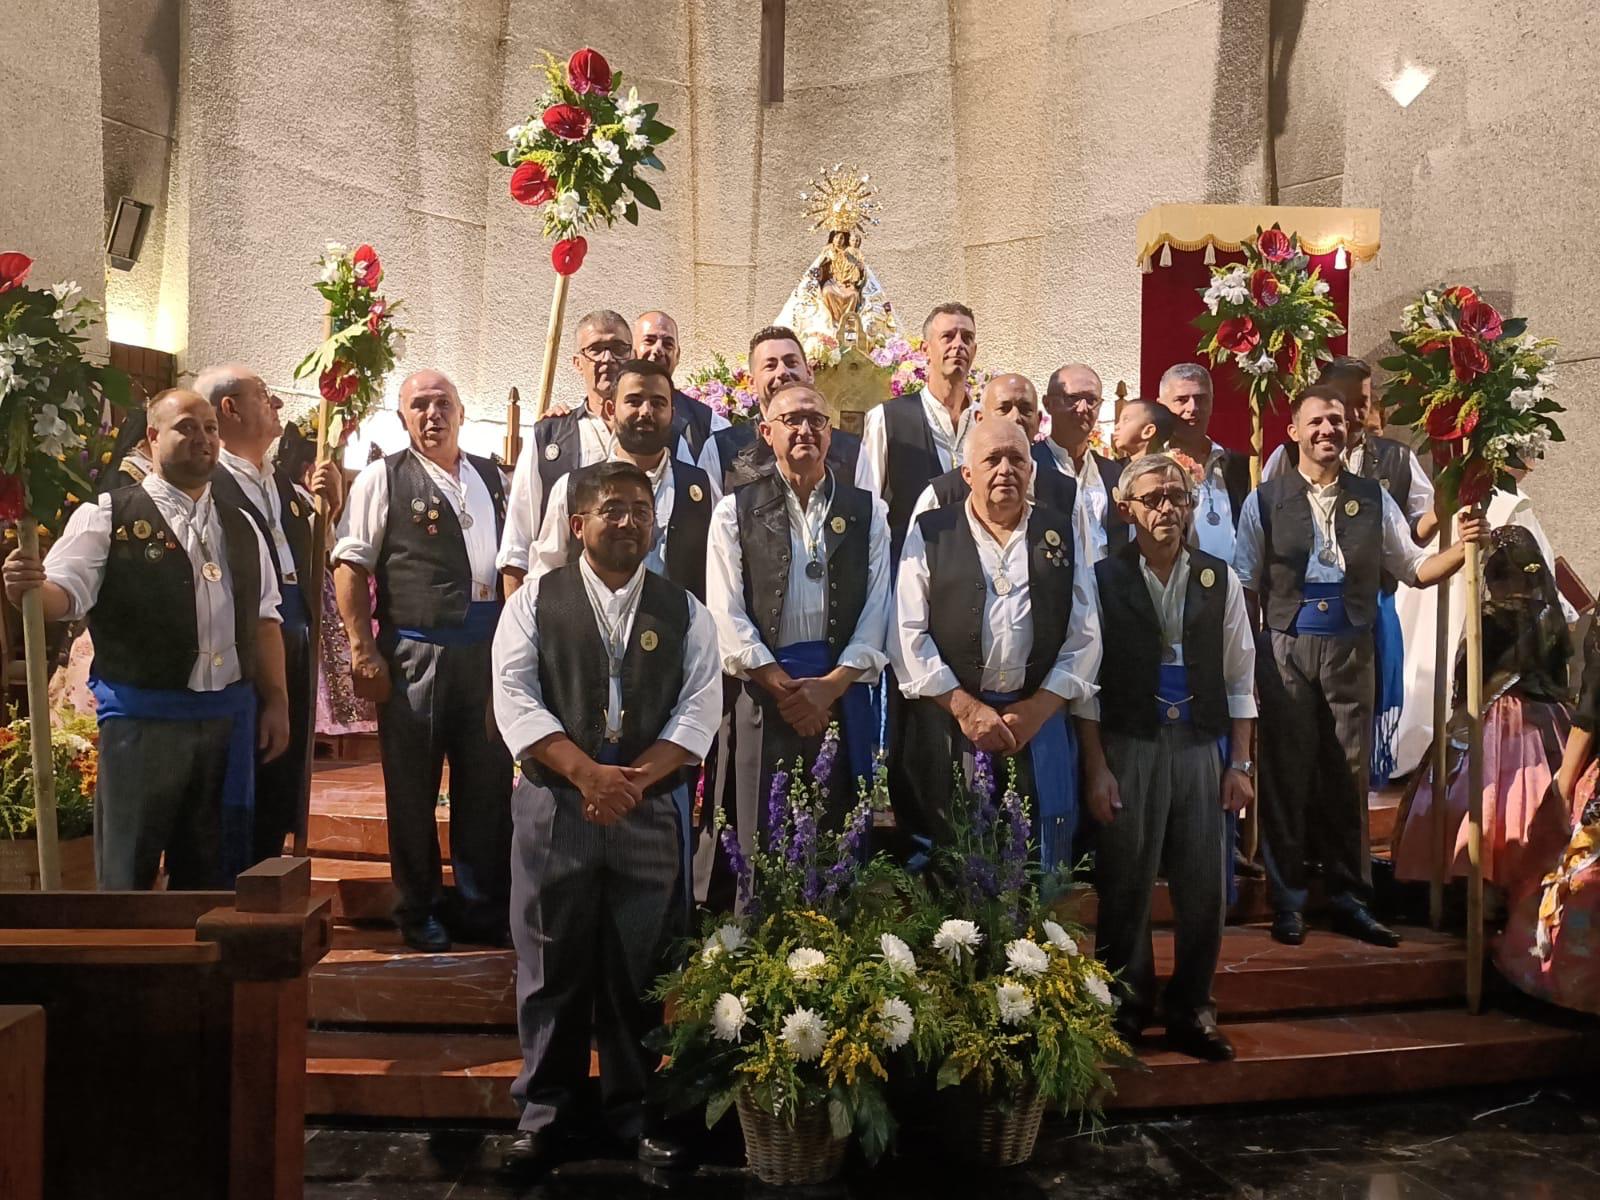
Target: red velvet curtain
(1171,301)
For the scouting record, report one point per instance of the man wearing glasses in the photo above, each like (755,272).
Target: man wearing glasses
(1181,684)
(799,586)
(565,442)
(1072,398)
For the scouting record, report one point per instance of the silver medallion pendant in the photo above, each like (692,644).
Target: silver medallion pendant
(1213,517)
(1168,655)
(466,520)
(1002,586)
(814,569)
(1328,556)
(1174,712)
(212,572)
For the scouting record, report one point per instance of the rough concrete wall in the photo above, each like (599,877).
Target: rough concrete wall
(50,118)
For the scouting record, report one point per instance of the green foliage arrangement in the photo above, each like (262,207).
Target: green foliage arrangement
(75,752)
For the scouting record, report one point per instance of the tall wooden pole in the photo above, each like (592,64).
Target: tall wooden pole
(1440,750)
(1250,833)
(1474,630)
(44,774)
(513,427)
(552,345)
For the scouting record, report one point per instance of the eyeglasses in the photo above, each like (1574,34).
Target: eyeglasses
(1074,399)
(1156,501)
(601,350)
(620,514)
(794,422)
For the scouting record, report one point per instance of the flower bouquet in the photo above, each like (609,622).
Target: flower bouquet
(74,753)
(1477,385)
(726,389)
(795,1011)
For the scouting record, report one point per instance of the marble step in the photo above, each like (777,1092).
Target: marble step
(468,1076)
(369,979)
(361,889)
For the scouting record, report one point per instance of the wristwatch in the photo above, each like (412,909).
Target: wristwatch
(1247,767)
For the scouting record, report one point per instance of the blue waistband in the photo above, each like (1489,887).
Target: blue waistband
(1322,612)
(1175,706)
(478,626)
(1054,753)
(857,724)
(292,606)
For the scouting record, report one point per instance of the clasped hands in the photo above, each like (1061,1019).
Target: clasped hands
(806,705)
(1006,730)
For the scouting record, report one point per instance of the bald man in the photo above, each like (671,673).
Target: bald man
(424,524)
(182,605)
(1073,398)
(249,421)
(655,339)
(994,676)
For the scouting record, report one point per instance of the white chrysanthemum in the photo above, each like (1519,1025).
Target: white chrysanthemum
(1024,957)
(955,936)
(1060,939)
(806,963)
(727,939)
(805,1033)
(567,207)
(1015,1004)
(897,955)
(1098,988)
(1320,287)
(895,1022)
(728,1018)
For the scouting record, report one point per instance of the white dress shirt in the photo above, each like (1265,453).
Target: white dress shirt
(949,440)
(262,491)
(1417,501)
(685,455)
(519,707)
(805,600)
(1401,555)
(77,564)
(1007,627)
(1081,535)
(554,546)
(1211,499)
(368,511)
(527,489)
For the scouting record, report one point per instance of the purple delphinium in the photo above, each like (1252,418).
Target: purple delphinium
(1014,853)
(777,810)
(983,774)
(739,865)
(822,768)
(803,845)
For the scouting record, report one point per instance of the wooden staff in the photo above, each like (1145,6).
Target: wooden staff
(552,345)
(44,772)
(1439,751)
(1250,828)
(513,428)
(1474,630)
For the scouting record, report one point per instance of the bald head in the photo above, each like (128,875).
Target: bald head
(1012,398)
(248,414)
(998,468)
(655,337)
(181,428)
(1072,398)
(430,406)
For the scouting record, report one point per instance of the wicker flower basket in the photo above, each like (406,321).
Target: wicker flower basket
(19,865)
(782,1155)
(980,1130)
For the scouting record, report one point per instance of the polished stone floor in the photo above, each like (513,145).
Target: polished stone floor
(1522,1143)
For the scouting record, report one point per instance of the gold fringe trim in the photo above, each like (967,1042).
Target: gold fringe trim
(1361,252)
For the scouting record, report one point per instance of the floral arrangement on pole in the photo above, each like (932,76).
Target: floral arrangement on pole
(363,341)
(1271,316)
(579,155)
(57,408)
(1478,385)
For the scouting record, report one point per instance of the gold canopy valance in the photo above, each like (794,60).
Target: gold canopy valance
(1228,226)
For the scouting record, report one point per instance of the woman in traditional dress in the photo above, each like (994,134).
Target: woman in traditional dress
(1526,653)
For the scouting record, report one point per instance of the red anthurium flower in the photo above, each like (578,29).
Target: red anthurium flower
(14,269)
(13,501)
(567,121)
(339,382)
(1444,453)
(1264,289)
(1430,347)
(1443,421)
(531,184)
(1288,357)
(1238,335)
(375,314)
(368,270)
(567,255)
(589,72)
(1469,420)
(1460,295)
(1274,245)
(1467,359)
(1481,319)
(1477,481)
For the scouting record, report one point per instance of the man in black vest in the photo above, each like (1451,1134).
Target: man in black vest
(424,524)
(1072,398)
(565,439)
(182,606)
(736,455)
(996,631)
(607,692)
(1313,544)
(1183,681)
(799,586)
(1186,393)
(907,441)
(249,422)
(640,416)
(655,337)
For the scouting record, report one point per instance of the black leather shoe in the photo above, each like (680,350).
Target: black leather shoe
(1289,928)
(1364,927)
(662,1153)
(529,1157)
(1200,1041)
(429,936)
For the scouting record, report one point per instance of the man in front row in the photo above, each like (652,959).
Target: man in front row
(182,606)
(996,631)
(1181,683)
(607,691)
(1313,544)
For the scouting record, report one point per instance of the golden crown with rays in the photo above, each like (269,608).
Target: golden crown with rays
(840,200)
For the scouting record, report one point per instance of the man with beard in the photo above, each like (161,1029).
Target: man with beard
(564,441)
(249,422)
(424,524)
(182,605)
(655,337)
(1186,393)
(1313,544)
(993,675)
(607,693)
(1183,680)
(1072,398)
(736,455)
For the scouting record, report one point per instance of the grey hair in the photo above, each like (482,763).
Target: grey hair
(1184,372)
(1151,464)
(604,318)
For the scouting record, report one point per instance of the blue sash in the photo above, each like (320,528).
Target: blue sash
(610,756)
(292,607)
(1322,612)
(477,627)
(1054,752)
(857,724)
(1172,688)
(236,702)
(1389,655)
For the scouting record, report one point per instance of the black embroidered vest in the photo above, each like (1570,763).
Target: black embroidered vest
(687,529)
(295,513)
(1286,536)
(557,448)
(911,462)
